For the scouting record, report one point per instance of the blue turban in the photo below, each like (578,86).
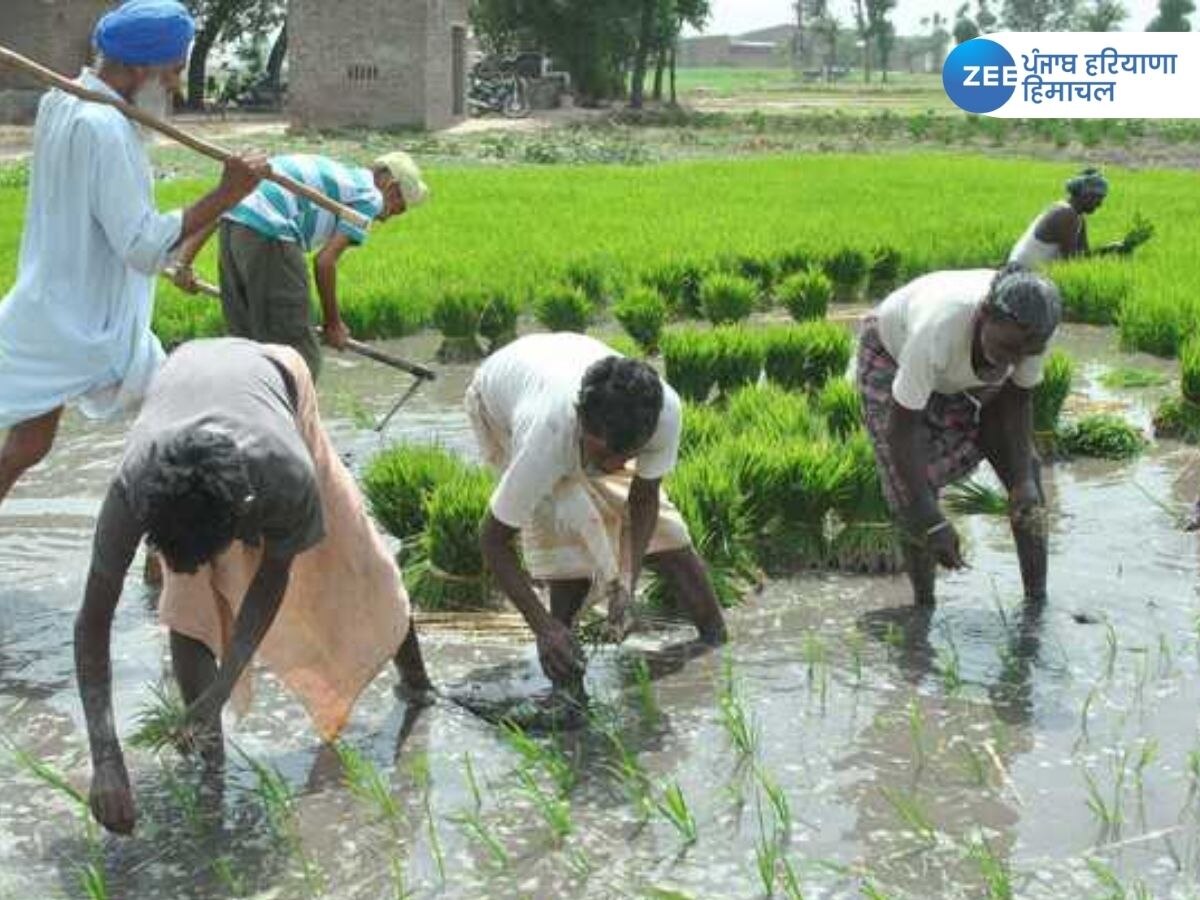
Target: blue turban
(145,33)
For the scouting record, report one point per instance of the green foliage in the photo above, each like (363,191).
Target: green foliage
(399,481)
(1124,378)
(885,270)
(727,298)
(768,411)
(1052,393)
(1140,231)
(848,270)
(703,426)
(597,278)
(690,360)
(1103,436)
(457,316)
(1157,324)
(841,405)
(806,295)
(1189,370)
(1177,419)
(563,309)
(450,572)
(1094,290)
(806,356)
(973,498)
(739,353)
(498,320)
(679,284)
(868,540)
(643,313)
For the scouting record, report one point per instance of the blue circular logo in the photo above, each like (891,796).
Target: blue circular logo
(979,76)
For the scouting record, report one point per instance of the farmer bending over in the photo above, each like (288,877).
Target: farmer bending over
(76,325)
(263,242)
(267,546)
(1061,231)
(946,367)
(583,438)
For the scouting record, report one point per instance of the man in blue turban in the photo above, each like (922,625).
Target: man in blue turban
(75,327)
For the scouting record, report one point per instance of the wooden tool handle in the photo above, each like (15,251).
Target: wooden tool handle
(205,148)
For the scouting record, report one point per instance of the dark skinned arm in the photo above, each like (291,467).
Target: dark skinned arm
(923,520)
(325,265)
(111,798)
(559,654)
(1025,504)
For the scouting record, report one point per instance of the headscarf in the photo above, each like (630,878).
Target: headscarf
(1089,181)
(1026,297)
(145,33)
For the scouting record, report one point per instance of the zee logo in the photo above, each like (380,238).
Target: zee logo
(980,76)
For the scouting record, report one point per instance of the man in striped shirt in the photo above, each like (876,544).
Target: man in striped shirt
(264,240)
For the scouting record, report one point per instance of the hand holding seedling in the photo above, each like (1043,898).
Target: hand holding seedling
(620,612)
(946,548)
(559,653)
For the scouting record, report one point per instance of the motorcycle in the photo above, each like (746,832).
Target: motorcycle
(498,89)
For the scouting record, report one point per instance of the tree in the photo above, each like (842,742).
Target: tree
(694,13)
(1102,15)
(965,28)
(938,38)
(985,18)
(1172,16)
(880,32)
(645,42)
(223,19)
(864,37)
(885,40)
(1039,15)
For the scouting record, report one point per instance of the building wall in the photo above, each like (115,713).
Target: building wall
(55,33)
(374,63)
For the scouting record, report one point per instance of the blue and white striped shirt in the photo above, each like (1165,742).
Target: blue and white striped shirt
(277,213)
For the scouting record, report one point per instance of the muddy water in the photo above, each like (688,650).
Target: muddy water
(900,741)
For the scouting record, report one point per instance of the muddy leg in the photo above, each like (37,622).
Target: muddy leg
(922,572)
(687,575)
(415,688)
(195,670)
(26,445)
(566,599)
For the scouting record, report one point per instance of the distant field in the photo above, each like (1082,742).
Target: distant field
(903,89)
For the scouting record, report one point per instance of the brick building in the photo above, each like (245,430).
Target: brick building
(56,33)
(377,63)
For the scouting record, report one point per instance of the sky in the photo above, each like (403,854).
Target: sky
(737,16)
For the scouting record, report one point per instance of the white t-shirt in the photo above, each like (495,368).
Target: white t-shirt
(928,326)
(529,390)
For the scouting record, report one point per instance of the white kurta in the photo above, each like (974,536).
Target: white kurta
(76,325)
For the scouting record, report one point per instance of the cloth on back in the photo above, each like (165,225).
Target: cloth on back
(927,326)
(281,215)
(145,33)
(76,325)
(345,612)
(951,423)
(579,529)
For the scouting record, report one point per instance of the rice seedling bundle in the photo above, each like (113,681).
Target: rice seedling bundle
(739,357)
(399,481)
(972,497)
(1124,378)
(690,361)
(625,345)
(1189,371)
(806,295)
(1048,400)
(841,405)
(450,572)
(868,540)
(792,260)
(561,308)
(599,279)
(727,298)
(769,412)
(642,313)
(1178,417)
(457,316)
(679,284)
(703,426)
(498,320)
(884,274)
(758,267)
(847,269)
(1103,436)
(1139,232)
(1094,290)
(1157,323)
(806,356)
(806,479)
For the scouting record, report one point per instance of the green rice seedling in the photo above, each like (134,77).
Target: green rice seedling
(995,872)
(739,357)
(1140,231)
(806,356)
(1125,378)
(841,405)
(974,764)
(673,807)
(632,776)
(816,663)
(399,481)
(625,346)
(727,298)
(1156,323)
(162,722)
(973,498)
(1094,291)
(760,268)
(679,284)
(457,315)
(856,644)
(498,320)
(871,892)
(950,668)
(690,360)
(735,719)
(1147,754)
(769,411)
(803,491)
(884,274)
(449,572)
(558,308)
(419,767)
(599,279)
(642,313)
(1111,647)
(908,807)
(791,260)
(868,541)
(470,820)
(791,883)
(1103,436)
(547,756)
(555,812)
(806,295)
(778,801)
(848,270)
(916,734)
(647,700)
(369,786)
(766,860)
(1189,371)
(703,427)
(1048,400)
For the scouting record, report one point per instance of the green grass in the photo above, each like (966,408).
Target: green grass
(1103,436)
(1126,378)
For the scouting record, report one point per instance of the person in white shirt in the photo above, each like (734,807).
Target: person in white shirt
(76,325)
(946,367)
(583,438)
(1061,231)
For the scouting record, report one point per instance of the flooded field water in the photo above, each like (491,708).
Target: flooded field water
(842,737)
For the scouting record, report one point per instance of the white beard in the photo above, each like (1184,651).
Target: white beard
(154,100)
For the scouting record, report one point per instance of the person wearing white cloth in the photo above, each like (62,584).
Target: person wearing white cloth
(76,325)
(1061,231)
(583,438)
